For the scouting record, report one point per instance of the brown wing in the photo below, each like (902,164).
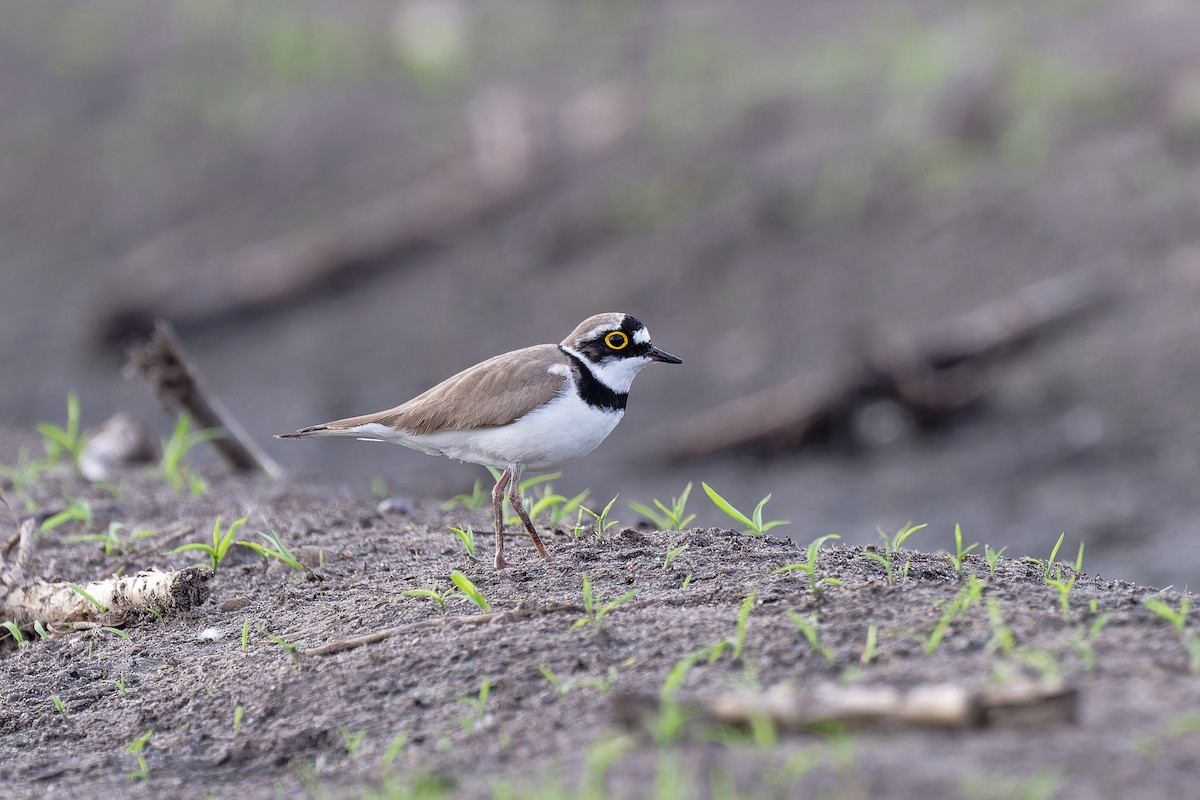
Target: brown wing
(492,393)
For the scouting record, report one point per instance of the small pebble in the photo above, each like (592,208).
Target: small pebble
(234,604)
(394,505)
(209,634)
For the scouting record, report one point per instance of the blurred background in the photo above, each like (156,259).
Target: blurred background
(340,203)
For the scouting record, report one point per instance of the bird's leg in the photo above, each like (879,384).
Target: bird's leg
(498,508)
(514,497)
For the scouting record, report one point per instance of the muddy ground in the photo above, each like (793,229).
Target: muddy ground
(796,174)
(329,725)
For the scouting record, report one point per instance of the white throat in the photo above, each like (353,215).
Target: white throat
(617,374)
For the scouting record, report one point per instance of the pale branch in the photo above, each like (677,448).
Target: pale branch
(1033,704)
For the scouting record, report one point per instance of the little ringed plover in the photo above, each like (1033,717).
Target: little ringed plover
(536,408)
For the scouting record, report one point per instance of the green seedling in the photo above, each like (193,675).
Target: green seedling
(970,594)
(24,476)
(352,740)
(245,633)
(809,628)
(1003,641)
(291,648)
(478,705)
(379,488)
(960,552)
(39,630)
(118,633)
(563,688)
(467,535)
(560,688)
(433,594)
(1044,662)
(686,582)
(1178,620)
(174,449)
(672,552)
(809,567)
(1063,587)
(469,591)
(602,521)
(76,511)
(595,612)
(238,713)
(1048,564)
(68,441)
(274,548)
(393,750)
(474,500)
(135,748)
(221,542)
(113,545)
(15,630)
(59,705)
(667,518)
(79,590)
(891,546)
(119,683)
(992,557)
(871,646)
(1084,643)
(743,620)
(754,523)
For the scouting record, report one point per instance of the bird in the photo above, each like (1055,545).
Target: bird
(535,409)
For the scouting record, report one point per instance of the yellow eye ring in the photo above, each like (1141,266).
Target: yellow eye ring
(617,340)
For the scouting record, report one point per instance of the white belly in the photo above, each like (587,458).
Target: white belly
(556,434)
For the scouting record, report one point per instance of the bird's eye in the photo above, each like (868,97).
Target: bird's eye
(617,340)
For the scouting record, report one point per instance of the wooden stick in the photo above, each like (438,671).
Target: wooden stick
(178,385)
(1033,704)
(925,380)
(523,611)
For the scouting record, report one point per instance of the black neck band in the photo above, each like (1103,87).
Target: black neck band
(591,389)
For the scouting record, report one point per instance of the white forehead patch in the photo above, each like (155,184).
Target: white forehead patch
(641,336)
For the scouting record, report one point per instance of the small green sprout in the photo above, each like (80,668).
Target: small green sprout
(754,523)
(68,441)
(667,519)
(76,511)
(960,552)
(672,552)
(112,538)
(871,645)
(591,604)
(174,449)
(291,648)
(79,590)
(1048,564)
(1063,587)
(433,594)
(274,548)
(743,620)
(245,633)
(469,590)
(221,542)
(809,567)
(59,705)
(15,630)
(602,521)
(968,596)
(119,683)
(118,633)
(992,557)
(352,740)
(1178,620)
(398,743)
(478,705)
(467,535)
(560,688)
(809,628)
(1084,643)
(686,583)
(1003,641)
(135,748)
(238,713)
(891,546)
(474,500)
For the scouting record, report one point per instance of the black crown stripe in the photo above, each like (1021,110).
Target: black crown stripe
(592,390)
